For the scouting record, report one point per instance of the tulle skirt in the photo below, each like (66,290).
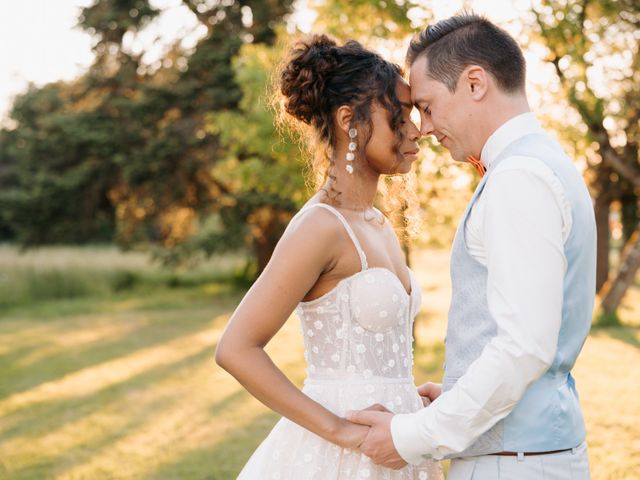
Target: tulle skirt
(291,452)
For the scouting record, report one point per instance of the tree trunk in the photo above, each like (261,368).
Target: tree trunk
(614,290)
(267,225)
(263,250)
(629,213)
(602,208)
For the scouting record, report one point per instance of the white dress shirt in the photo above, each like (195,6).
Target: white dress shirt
(517,229)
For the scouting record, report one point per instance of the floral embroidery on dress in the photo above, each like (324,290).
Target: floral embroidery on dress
(357,353)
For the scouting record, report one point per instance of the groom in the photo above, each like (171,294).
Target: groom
(522,270)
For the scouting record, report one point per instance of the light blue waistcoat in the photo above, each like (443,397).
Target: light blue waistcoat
(548,417)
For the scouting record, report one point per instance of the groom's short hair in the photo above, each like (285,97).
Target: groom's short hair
(468,39)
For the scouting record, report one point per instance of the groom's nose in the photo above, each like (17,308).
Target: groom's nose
(426,126)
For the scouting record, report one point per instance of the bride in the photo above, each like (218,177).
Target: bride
(340,266)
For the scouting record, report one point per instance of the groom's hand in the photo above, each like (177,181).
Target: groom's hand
(378,445)
(376,407)
(429,392)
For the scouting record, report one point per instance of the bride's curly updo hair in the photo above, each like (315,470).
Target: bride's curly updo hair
(318,77)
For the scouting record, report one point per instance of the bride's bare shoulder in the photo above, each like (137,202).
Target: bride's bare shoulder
(317,222)
(313,238)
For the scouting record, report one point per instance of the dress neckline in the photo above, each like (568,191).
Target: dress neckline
(368,270)
(363,256)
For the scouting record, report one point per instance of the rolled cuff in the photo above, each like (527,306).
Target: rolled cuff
(407,440)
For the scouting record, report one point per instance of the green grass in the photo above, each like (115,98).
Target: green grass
(55,273)
(124,386)
(131,378)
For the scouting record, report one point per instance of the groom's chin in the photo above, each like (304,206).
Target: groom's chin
(457,157)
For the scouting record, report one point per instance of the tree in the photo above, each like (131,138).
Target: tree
(61,159)
(583,38)
(171,195)
(130,140)
(180,156)
(55,184)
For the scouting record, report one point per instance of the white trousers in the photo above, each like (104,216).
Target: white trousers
(570,465)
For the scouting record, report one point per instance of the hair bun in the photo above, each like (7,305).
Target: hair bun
(305,74)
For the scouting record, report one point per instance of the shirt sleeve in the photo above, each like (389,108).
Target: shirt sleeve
(523,240)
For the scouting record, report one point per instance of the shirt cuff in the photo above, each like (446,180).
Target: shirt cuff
(406,437)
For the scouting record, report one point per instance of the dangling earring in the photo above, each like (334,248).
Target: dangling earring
(351,155)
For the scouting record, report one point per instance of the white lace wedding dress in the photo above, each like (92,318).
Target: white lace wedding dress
(358,348)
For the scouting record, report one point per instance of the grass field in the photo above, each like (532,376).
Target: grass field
(121,384)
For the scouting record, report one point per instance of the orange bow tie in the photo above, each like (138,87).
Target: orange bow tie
(477,164)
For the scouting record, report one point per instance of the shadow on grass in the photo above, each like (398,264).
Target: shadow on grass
(48,416)
(229,401)
(154,330)
(221,460)
(50,465)
(628,335)
(141,299)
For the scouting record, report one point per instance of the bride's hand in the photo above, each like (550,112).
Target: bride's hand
(350,435)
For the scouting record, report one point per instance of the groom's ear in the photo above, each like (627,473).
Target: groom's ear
(476,81)
(344,116)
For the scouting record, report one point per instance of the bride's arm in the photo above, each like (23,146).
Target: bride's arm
(305,251)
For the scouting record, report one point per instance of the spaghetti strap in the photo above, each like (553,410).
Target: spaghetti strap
(352,235)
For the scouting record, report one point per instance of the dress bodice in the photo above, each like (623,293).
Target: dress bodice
(362,328)
(358,348)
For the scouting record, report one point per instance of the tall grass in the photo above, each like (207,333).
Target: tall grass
(50,273)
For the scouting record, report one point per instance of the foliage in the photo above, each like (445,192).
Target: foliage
(123,152)
(595,50)
(55,180)
(182,158)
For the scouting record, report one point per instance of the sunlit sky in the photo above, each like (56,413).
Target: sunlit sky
(40,44)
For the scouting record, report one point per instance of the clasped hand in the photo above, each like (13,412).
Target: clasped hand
(378,444)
